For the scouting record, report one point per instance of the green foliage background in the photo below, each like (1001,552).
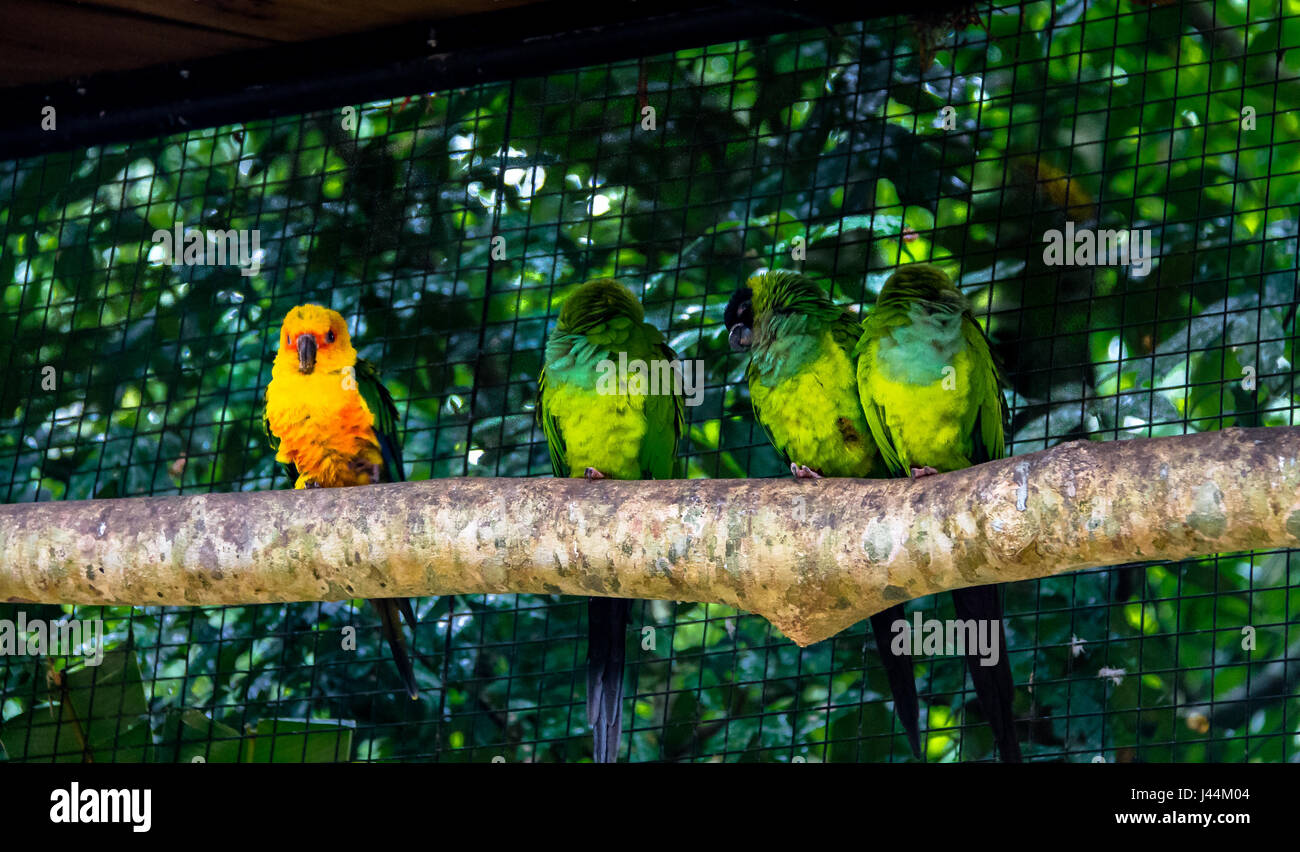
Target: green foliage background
(1110,114)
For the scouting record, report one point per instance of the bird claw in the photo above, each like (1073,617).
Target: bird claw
(918,472)
(801,471)
(592,473)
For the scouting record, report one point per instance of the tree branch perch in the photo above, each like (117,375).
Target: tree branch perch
(814,557)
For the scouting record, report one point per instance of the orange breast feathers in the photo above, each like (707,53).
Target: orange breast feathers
(313,406)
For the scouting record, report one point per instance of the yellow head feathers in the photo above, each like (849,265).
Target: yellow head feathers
(313,338)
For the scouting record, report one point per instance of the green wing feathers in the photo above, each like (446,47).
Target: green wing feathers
(551,429)
(381,405)
(666,416)
(987,434)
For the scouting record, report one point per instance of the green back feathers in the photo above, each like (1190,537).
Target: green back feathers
(780,290)
(626,436)
(927,378)
(599,302)
(921,282)
(918,321)
(791,313)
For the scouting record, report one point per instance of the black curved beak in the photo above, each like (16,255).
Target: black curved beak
(740,337)
(306,353)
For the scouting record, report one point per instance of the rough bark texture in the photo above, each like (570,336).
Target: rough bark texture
(812,556)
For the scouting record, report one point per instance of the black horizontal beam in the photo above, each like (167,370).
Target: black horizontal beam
(328,73)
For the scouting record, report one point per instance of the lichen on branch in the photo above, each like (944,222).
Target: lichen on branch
(812,556)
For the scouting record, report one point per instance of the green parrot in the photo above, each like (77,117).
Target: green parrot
(597,427)
(802,377)
(933,400)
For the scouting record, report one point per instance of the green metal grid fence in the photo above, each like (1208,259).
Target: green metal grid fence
(832,144)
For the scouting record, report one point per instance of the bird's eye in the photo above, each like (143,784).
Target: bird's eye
(329,336)
(287,339)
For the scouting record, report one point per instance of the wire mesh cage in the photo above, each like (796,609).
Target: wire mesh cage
(447,226)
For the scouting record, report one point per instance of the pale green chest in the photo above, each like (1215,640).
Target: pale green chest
(928,423)
(604,431)
(814,416)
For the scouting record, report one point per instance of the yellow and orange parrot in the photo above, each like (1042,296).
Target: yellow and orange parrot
(332,423)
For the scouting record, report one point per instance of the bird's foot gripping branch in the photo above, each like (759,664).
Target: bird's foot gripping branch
(813,556)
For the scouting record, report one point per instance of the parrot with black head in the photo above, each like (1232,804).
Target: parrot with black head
(802,377)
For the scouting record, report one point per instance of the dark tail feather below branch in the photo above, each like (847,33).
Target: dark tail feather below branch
(606,650)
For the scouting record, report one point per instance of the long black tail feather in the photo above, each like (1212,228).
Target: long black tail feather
(993,684)
(606,650)
(902,681)
(391,611)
